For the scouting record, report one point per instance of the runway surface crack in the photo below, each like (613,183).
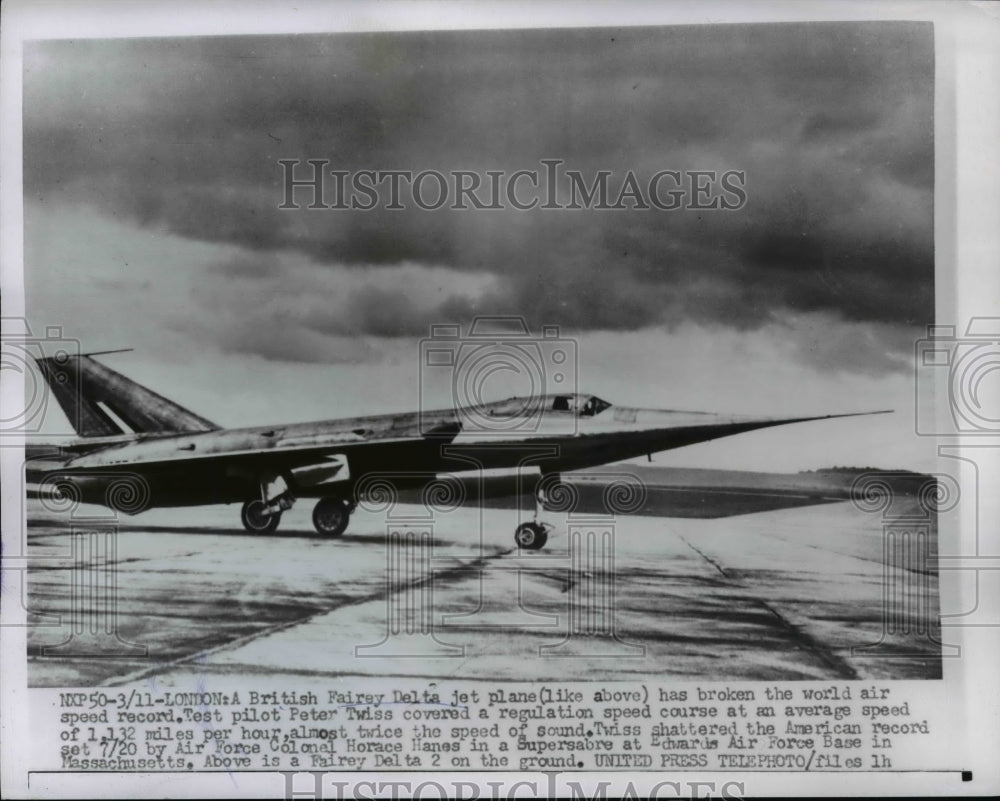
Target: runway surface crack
(456,572)
(794,632)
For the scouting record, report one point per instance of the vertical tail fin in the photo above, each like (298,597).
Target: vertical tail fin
(100,402)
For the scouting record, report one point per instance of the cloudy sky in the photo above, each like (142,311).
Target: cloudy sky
(152,188)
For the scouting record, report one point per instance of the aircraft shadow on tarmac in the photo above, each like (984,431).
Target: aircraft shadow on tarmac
(678,601)
(665,492)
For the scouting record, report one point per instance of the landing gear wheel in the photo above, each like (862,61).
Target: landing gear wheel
(258,519)
(531,536)
(331,516)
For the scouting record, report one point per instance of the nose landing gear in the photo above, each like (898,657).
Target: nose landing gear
(533,535)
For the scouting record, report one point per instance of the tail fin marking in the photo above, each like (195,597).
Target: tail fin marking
(87,390)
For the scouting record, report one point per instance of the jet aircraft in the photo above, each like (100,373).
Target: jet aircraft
(137,450)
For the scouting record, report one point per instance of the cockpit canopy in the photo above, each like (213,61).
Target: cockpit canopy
(581,405)
(570,403)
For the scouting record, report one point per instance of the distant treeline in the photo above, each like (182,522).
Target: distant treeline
(843,469)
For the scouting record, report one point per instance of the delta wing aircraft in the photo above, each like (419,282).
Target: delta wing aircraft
(137,450)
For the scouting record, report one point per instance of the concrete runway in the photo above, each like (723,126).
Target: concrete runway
(787,594)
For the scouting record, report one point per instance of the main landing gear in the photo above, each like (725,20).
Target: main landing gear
(258,518)
(330,517)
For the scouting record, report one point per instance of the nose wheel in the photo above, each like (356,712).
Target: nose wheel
(531,536)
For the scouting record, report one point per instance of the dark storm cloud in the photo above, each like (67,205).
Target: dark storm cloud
(831,122)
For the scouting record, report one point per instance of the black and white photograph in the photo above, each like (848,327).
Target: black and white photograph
(416,373)
(732,220)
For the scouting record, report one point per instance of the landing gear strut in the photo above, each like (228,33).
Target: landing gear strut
(258,518)
(332,515)
(533,536)
(262,514)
